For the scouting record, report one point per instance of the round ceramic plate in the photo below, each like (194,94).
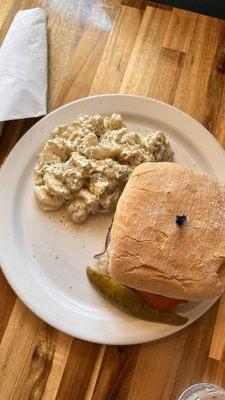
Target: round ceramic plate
(44,259)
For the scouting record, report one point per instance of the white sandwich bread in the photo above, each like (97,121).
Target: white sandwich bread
(168,233)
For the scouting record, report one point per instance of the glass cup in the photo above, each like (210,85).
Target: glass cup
(203,391)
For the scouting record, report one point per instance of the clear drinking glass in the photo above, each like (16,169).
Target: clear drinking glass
(203,391)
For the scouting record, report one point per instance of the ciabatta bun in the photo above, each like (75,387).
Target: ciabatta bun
(151,252)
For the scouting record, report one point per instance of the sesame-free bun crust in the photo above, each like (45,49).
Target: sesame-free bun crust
(150,252)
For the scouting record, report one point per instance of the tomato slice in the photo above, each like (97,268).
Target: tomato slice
(159,301)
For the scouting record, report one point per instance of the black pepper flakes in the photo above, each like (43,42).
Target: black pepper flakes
(181,219)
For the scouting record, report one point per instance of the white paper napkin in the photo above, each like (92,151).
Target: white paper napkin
(23,67)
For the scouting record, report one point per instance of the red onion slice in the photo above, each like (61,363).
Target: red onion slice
(107,241)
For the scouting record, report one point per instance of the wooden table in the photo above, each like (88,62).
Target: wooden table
(108,46)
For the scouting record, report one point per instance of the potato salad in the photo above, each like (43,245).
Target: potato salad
(85,165)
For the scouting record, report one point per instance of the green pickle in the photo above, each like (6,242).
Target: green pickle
(129,301)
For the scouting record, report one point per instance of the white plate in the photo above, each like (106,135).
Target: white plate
(45,261)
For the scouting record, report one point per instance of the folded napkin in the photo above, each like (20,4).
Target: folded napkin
(23,67)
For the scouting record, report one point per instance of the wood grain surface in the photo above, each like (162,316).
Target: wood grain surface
(105,46)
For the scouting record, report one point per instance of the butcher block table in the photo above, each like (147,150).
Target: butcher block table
(111,46)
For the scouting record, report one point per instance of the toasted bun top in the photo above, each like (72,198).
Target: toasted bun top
(151,252)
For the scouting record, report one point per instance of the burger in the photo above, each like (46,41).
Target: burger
(167,240)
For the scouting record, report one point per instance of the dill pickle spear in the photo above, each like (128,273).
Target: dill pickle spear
(129,301)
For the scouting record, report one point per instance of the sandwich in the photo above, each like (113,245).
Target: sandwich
(167,240)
